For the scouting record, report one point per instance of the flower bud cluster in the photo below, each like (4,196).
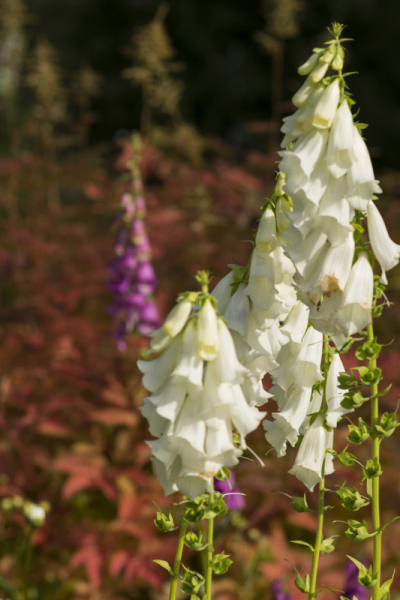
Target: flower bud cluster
(196,403)
(330,179)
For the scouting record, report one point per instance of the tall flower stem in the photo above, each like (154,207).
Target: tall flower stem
(26,563)
(375,480)
(321,491)
(178,558)
(210,537)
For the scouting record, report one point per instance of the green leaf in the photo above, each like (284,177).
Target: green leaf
(389,523)
(164,565)
(300,543)
(384,592)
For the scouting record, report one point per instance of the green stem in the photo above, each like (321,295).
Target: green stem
(210,536)
(178,558)
(321,492)
(26,564)
(376,522)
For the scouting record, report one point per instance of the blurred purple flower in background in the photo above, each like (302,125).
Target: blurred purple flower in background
(132,279)
(277,592)
(235,501)
(353,587)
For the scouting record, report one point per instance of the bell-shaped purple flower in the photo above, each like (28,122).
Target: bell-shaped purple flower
(234,499)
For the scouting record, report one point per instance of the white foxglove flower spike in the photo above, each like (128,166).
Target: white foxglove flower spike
(266,232)
(326,108)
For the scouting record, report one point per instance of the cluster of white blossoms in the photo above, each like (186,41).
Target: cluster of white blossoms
(196,397)
(255,300)
(330,179)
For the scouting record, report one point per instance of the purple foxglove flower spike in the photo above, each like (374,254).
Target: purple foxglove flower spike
(132,281)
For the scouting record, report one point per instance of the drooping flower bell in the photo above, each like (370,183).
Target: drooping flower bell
(196,403)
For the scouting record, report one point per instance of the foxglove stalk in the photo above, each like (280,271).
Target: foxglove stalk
(196,398)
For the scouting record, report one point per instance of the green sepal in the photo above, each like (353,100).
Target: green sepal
(357,531)
(190,296)
(164,523)
(302,584)
(388,424)
(365,576)
(191,581)
(223,474)
(371,469)
(195,542)
(358,435)
(347,381)
(194,509)
(377,311)
(217,508)
(379,287)
(346,346)
(384,592)
(369,350)
(300,543)
(327,546)
(300,504)
(164,565)
(351,498)
(220,563)
(353,400)
(345,458)
(368,375)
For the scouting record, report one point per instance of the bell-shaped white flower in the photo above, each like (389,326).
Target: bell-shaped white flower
(334,213)
(354,313)
(318,72)
(385,250)
(223,291)
(304,93)
(266,232)
(307,367)
(328,467)
(296,322)
(290,419)
(229,368)
(310,457)
(156,371)
(326,108)
(282,221)
(207,331)
(305,154)
(334,395)
(261,281)
(309,65)
(276,437)
(336,268)
(322,318)
(176,320)
(360,177)
(189,367)
(159,341)
(238,310)
(315,406)
(340,154)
